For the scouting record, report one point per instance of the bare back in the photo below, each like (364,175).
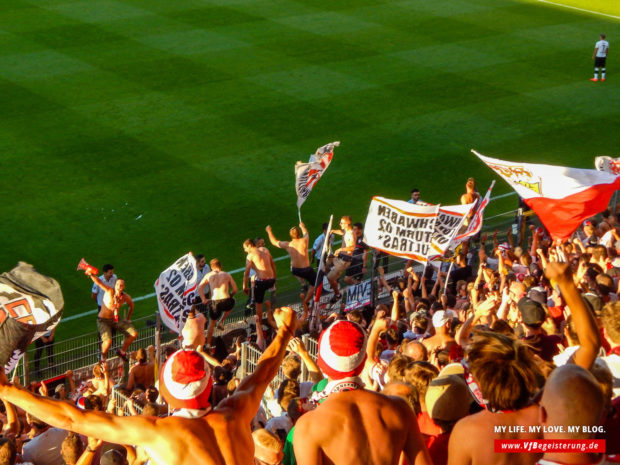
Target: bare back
(359,428)
(219,283)
(261,262)
(438,341)
(472,439)
(216,439)
(143,374)
(298,250)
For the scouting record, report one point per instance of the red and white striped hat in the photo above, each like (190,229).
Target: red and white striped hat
(185,380)
(342,350)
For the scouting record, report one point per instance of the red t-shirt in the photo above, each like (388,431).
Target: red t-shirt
(438,448)
(427,425)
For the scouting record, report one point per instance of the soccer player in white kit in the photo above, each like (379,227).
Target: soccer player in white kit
(599,56)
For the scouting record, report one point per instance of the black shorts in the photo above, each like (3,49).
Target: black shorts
(355,270)
(221,306)
(308,273)
(260,287)
(599,62)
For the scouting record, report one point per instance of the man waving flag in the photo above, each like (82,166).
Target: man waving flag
(308,174)
(561,197)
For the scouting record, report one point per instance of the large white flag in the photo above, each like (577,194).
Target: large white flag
(400,228)
(450,219)
(176,288)
(562,197)
(308,174)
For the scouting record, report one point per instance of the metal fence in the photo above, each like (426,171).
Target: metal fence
(83,351)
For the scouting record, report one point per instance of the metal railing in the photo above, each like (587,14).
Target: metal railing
(84,351)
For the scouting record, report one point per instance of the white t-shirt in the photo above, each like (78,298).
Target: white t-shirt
(601,48)
(44,449)
(100,292)
(608,240)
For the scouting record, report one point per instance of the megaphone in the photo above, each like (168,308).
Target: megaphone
(88,269)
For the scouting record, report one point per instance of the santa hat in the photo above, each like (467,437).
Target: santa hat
(342,350)
(185,380)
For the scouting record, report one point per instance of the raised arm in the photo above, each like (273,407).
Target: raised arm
(380,325)
(89,453)
(304,230)
(248,395)
(585,325)
(60,414)
(99,283)
(394,315)
(275,242)
(296,345)
(12,420)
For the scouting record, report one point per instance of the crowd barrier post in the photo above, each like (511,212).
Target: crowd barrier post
(26,372)
(244,359)
(304,370)
(373,284)
(158,359)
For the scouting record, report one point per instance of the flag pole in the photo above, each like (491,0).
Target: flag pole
(299,214)
(315,307)
(445,286)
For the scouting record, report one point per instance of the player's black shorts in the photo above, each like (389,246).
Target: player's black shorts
(599,62)
(220,306)
(308,273)
(260,287)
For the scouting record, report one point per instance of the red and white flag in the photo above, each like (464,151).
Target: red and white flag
(449,222)
(475,223)
(562,197)
(308,174)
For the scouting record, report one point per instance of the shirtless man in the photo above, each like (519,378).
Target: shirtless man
(221,436)
(142,374)
(442,340)
(343,256)
(352,425)
(297,248)
(471,195)
(260,260)
(221,284)
(108,318)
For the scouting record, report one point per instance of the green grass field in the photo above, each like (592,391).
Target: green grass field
(134,131)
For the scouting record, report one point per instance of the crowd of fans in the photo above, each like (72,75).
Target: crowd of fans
(454,361)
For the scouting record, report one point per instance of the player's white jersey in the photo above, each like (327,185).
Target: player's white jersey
(601,48)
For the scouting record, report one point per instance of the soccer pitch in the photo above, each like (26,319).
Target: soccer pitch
(134,131)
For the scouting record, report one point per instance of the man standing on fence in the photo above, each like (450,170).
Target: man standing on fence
(297,248)
(108,318)
(260,260)
(195,433)
(342,257)
(221,284)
